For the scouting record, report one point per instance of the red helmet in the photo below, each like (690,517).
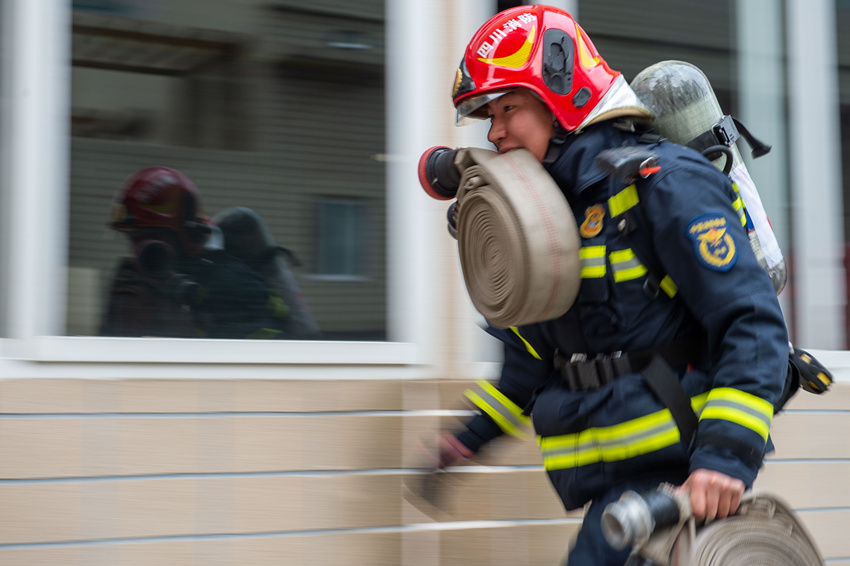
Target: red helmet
(161,197)
(540,48)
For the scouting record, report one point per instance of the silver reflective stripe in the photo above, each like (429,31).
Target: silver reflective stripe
(507,414)
(592,260)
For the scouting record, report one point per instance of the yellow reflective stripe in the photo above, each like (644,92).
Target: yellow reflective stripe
(698,402)
(277,306)
(528,347)
(507,414)
(741,408)
(265,334)
(622,201)
(609,444)
(633,438)
(739,205)
(626,266)
(592,260)
(668,286)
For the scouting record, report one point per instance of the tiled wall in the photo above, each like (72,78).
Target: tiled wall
(267,472)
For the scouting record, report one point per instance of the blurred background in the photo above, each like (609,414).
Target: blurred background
(154,448)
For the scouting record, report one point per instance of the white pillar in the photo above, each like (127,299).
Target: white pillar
(415,106)
(814,163)
(761,93)
(35,141)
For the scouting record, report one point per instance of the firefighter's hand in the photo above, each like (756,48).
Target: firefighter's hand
(452,451)
(713,495)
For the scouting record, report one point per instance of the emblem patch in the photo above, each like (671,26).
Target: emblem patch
(714,245)
(592,224)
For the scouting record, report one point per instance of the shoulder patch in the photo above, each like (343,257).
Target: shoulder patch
(714,245)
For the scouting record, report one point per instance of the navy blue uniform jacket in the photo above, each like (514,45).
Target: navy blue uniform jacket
(719,295)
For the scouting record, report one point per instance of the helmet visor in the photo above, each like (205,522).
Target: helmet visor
(473,108)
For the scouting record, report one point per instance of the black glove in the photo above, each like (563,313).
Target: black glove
(812,375)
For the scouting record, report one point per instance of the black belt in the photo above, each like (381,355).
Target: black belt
(655,367)
(584,374)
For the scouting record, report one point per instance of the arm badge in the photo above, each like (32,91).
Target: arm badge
(713,243)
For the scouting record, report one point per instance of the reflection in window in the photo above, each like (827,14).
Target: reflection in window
(263,107)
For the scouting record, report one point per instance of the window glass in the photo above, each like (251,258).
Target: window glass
(342,224)
(700,33)
(227,178)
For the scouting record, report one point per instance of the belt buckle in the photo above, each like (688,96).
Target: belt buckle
(578,358)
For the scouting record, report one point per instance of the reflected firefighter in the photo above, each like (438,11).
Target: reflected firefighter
(180,281)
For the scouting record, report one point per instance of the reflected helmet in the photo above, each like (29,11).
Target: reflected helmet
(161,197)
(540,48)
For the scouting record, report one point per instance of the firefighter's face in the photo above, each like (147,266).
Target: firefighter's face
(520,120)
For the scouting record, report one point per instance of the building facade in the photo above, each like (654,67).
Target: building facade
(157,448)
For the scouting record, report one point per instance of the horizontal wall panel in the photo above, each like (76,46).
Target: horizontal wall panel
(807,484)
(837,398)
(811,435)
(829,531)
(509,545)
(59,447)
(157,395)
(52,396)
(62,447)
(98,510)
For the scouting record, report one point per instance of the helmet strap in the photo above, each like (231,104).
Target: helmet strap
(559,134)
(556,143)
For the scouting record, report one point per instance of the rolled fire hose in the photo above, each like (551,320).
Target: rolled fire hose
(517,238)
(763,532)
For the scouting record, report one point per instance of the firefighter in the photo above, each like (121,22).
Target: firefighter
(247,237)
(669,363)
(179,282)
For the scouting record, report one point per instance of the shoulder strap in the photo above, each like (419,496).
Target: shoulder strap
(623,208)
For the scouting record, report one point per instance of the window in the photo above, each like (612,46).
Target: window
(255,110)
(341,242)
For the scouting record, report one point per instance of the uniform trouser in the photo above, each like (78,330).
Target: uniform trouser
(590,547)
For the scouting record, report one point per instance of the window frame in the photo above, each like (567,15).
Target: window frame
(38,142)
